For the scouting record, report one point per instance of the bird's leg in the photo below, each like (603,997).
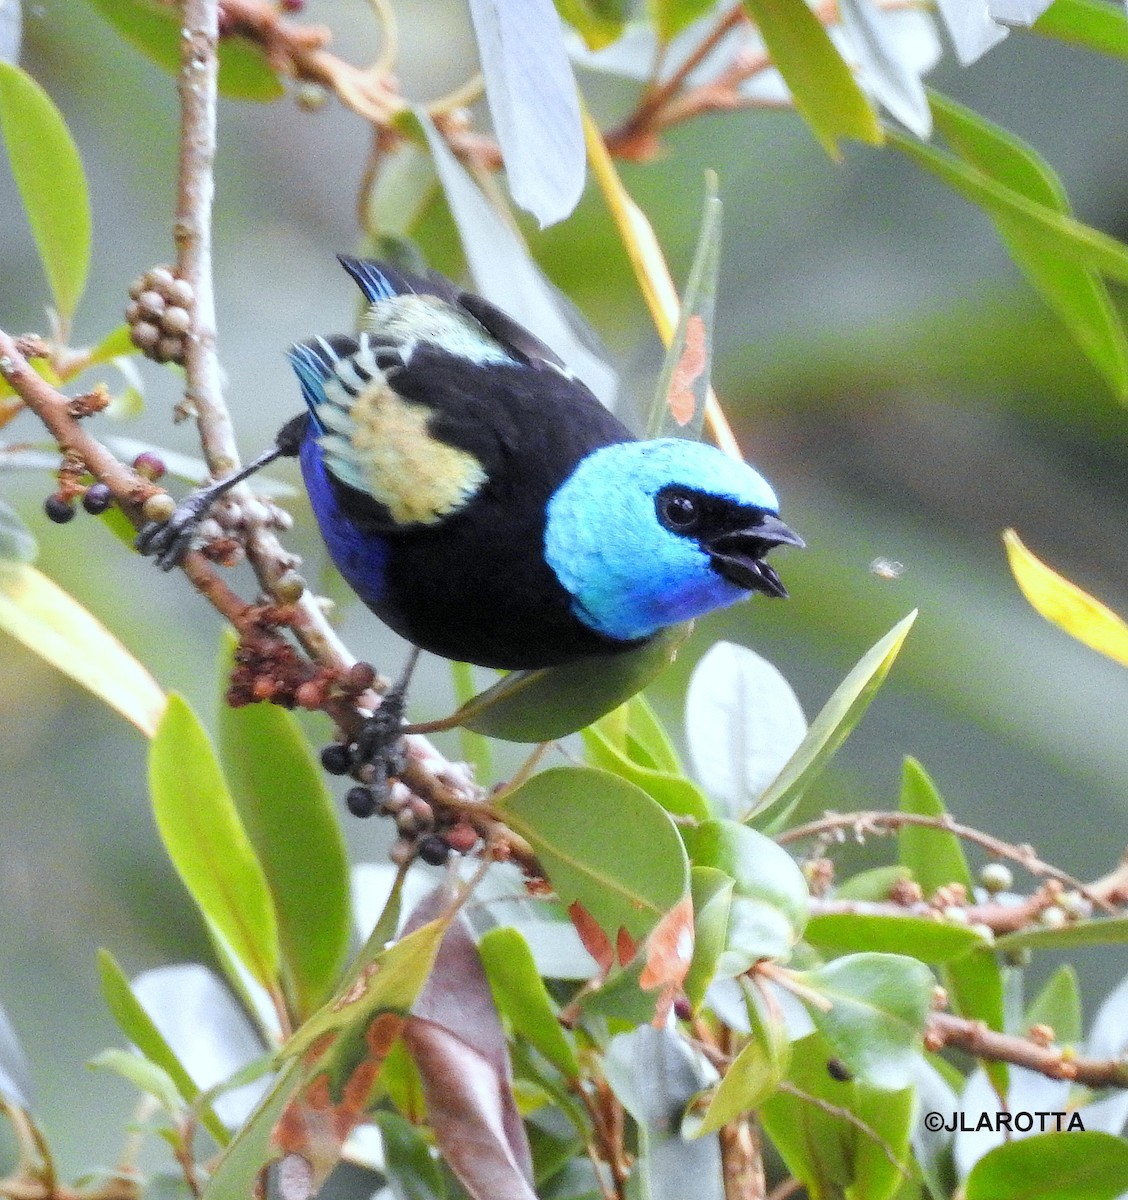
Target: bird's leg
(378,755)
(170,540)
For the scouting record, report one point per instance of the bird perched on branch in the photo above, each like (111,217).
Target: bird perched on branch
(483,503)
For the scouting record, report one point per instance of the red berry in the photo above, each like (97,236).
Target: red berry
(150,465)
(293,6)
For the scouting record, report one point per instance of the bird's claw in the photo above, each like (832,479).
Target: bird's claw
(169,541)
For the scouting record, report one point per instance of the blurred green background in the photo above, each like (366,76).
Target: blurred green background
(883,363)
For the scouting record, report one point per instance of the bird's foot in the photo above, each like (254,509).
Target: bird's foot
(169,541)
(376,757)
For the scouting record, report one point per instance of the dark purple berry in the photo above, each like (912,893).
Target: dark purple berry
(837,1069)
(58,510)
(360,801)
(683,1010)
(97,499)
(433,850)
(335,758)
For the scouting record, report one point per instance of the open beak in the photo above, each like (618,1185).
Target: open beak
(738,556)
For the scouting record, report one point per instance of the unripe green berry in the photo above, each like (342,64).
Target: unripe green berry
(159,507)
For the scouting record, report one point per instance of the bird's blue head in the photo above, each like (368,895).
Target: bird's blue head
(647,534)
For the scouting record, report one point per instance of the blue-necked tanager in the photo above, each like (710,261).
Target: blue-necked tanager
(485,505)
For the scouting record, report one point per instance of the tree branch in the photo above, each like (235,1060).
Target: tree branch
(1053,1061)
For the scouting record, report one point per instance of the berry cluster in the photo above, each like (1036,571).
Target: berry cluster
(96,497)
(159,314)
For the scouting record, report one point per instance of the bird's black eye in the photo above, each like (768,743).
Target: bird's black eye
(678,512)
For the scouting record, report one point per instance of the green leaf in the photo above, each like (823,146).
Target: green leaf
(1106,931)
(751,1078)
(288,813)
(876,884)
(52,624)
(878,1006)
(646,740)
(353,1032)
(208,845)
(1066,235)
(935,856)
(1052,1166)
(674,793)
(522,998)
(582,823)
(974,985)
(768,909)
(712,893)
(825,91)
(1075,293)
(837,1136)
(48,172)
(144,1074)
(473,747)
(598,22)
(153,28)
(538,706)
(930,941)
(832,726)
(670,17)
(116,344)
(1058,1005)
(1088,23)
(678,407)
(413,1171)
(138,1026)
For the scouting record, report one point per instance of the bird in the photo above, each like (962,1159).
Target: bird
(482,502)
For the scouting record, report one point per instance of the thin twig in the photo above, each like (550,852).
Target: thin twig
(877,823)
(1056,1062)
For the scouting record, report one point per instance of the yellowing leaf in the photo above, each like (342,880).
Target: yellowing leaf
(48,621)
(1065,604)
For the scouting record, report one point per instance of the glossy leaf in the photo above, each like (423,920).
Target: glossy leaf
(581,822)
(1091,24)
(768,909)
(655,1073)
(928,940)
(833,1156)
(154,29)
(145,1075)
(473,747)
(1066,235)
(893,80)
(1076,293)
(48,172)
(743,722)
(533,102)
(139,1027)
(832,726)
(874,884)
(522,998)
(413,1173)
(974,985)
(935,856)
(207,843)
(1058,1005)
(678,408)
(538,706)
(825,92)
(879,1004)
(1052,1166)
(344,1044)
(288,813)
(10,30)
(504,271)
(15,1071)
(1107,931)
(712,893)
(675,793)
(645,739)
(1065,604)
(118,343)
(52,624)
(598,22)
(750,1079)
(17,542)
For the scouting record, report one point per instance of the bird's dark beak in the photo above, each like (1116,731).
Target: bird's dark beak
(738,555)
